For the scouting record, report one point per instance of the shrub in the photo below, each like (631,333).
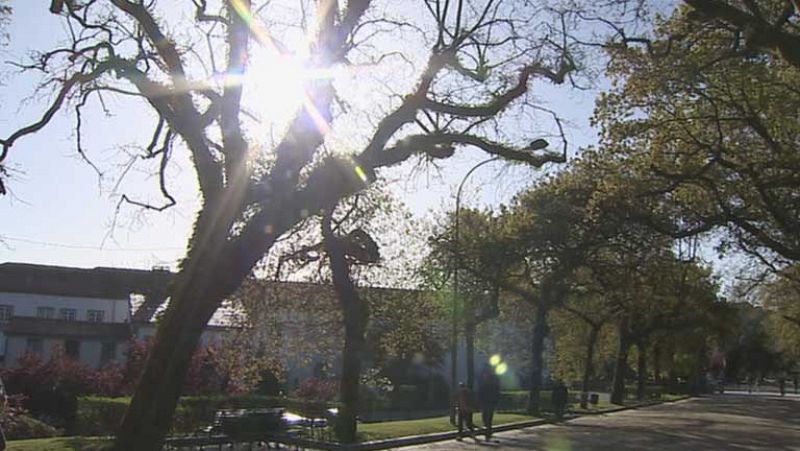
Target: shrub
(101,416)
(50,387)
(17,424)
(316,389)
(24,427)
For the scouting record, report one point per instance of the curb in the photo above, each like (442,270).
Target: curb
(431,438)
(631,407)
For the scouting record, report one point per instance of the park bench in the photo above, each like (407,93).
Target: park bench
(231,426)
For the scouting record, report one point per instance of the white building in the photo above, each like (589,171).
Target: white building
(88,312)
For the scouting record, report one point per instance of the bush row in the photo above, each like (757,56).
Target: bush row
(101,416)
(20,427)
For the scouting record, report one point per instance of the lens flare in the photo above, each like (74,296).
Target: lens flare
(501,369)
(292,68)
(362,174)
(495,360)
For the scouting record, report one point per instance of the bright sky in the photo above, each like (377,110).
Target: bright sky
(59,211)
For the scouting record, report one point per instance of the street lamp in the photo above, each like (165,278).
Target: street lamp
(537,144)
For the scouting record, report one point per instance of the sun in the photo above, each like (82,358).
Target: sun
(274,80)
(273,86)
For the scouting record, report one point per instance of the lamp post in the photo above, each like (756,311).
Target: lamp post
(537,144)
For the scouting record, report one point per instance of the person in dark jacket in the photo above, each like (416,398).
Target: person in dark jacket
(488,396)
(560,397)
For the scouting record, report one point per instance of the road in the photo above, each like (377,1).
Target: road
(727,422)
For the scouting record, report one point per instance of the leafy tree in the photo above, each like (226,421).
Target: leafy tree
(768,25)
(168,62)
(479,257)
(779,297)
(533,252)
(753,354)
(701,121)
(586,305)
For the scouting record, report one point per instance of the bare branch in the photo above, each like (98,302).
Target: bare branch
(235,147)
(63,93)
(164,46)
(441,145)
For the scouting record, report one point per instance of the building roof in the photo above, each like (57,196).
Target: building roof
(41,327)
(100,282)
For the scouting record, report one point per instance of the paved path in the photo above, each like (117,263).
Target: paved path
(726,422)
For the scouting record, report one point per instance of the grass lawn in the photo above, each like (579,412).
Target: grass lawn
(367,431)
(392,429)
(59,444)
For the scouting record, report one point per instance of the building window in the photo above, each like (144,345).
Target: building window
(108,352)
(6,312)
(72,348)
(68,314)
(95,316)
(45,312)
(34,346)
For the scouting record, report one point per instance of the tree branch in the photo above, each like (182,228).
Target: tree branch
(234,145)
(759,33)
(63,93)
(499,103)
(165,47)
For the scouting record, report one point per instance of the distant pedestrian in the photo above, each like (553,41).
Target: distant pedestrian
(560,397)
(488,396)
(782,385)
(465,407)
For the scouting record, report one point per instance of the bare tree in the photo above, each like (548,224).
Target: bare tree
(482,56)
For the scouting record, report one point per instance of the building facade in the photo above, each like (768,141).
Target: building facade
(88,314)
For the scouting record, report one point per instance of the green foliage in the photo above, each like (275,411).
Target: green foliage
(780,296)
(571,334)
(62,444)
(394,429)
(101,416)
(752,352)
(707,132)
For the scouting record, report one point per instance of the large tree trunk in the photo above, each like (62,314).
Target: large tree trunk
(355,318)
(149,416)
(469,336)
(212,270)
(588,364)
(641,369)
(537,360)
(355,313)
(621,366)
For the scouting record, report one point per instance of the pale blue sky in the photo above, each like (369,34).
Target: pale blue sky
(60,214)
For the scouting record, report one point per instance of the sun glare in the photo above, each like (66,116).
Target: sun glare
(273,86)
(274,81)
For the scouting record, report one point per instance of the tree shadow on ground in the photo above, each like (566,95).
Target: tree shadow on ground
(715,423)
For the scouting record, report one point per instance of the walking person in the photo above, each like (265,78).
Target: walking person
(465,408)
(560,398)
(488,396)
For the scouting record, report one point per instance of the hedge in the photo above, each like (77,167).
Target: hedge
(101,416)
(21,427)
